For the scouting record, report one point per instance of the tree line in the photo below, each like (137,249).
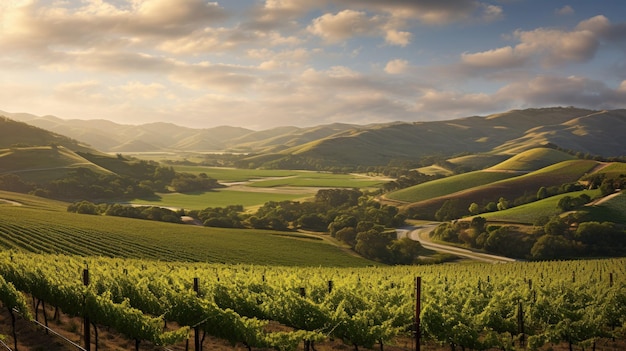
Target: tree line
(130,178)
(349,215)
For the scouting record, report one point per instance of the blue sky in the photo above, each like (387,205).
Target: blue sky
(261,64)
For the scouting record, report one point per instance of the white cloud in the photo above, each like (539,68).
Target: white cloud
(344,25)
(397,66)
(504,57)
(399,38)
(546,90)
(557,47)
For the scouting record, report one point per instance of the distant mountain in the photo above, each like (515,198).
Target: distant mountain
(14,133)
(508,133)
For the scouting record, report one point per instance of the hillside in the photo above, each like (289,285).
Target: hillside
(34,224)
(510,189)
(19,134)
(507,133)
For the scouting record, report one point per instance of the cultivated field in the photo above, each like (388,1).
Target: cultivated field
(44,226)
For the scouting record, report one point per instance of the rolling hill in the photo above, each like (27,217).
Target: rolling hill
(509,133)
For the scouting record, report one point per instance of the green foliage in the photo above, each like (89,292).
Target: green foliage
(447,185)
(449,210)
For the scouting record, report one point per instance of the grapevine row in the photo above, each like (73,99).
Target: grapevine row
(477,306)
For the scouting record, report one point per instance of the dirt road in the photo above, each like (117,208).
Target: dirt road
(421,233)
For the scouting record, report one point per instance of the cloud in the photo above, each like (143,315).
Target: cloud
(215,77)
(344,25)
(450,104)
(136,89)
(546,90)
(432,12)
(397,66)
(88,92)
(550,47)
(564,11)
(504,57)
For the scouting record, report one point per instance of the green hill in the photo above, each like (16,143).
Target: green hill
(19,134)
(510,189)
(532,160)
(446,186)
(38,225)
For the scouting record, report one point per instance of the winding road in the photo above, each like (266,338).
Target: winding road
(421,233)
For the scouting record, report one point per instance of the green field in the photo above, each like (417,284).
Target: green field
(612,210)
(314,179)
(44,226)
(448,185)
(533,159)
(229,175)
(265,178)
(222,198)
(529,213)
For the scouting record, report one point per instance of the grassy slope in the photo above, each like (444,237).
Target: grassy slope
(448,185)
(41,225)
(529,213)
(221,198)
(555,175)
(612,210)
(43,163)
(533,160)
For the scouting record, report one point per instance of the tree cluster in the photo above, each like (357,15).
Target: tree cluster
(152,213)
(84,183)
(558,238)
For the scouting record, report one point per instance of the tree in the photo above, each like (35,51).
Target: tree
(448,211)
(347,235)
(373,244)
(313,221)
(555,226)
(549,247)
(404,251)
(474,208)
(542,193)
(503,204)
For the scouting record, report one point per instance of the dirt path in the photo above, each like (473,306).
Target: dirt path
(10,202)
(421,234)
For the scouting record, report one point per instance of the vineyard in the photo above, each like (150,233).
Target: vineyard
(509,306)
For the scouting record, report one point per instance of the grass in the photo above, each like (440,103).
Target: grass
(529,213)
(533,159)
(448,185)
(42,164)
(612,210)
(313,179)
(224,174)
(283,178)
(220,198)
(43,226)
(511,188)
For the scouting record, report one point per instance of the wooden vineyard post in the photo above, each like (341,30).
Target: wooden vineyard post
(196,330)
(418,298)
(86,326)
(520,323)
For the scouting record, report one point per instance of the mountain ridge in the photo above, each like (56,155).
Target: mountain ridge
(511,132)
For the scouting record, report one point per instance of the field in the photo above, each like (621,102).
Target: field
(472,306)
(254,187)
(529,213)
(224,197)
(510,188)
(448,185)
(39,225)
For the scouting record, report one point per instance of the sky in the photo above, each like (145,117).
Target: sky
(260,64)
